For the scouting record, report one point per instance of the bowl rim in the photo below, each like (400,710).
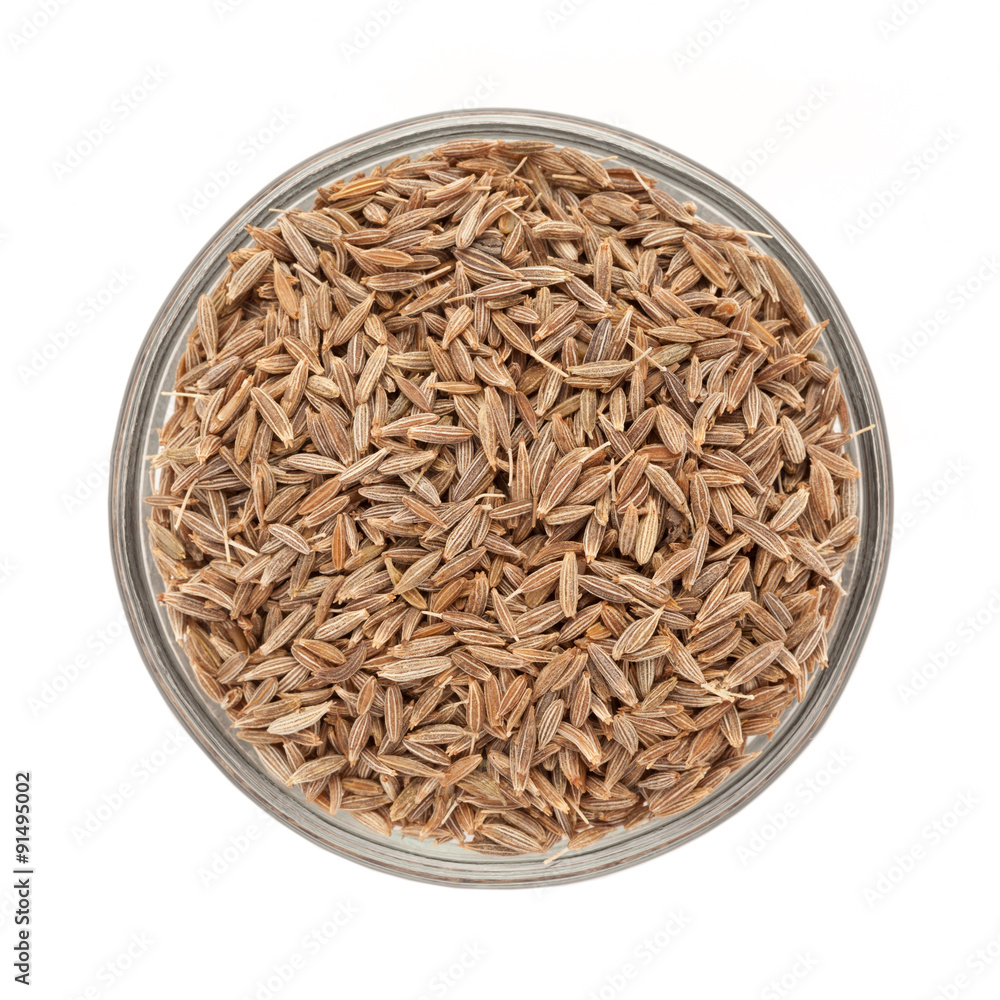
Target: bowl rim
(527,871)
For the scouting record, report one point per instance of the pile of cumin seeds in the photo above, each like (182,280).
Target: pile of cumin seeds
(503,499)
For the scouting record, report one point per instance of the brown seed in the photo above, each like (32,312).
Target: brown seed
(568,588)
(274,415)
(296,721)
(248,274)
(636,635)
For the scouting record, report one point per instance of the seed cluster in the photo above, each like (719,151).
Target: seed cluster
(503,498)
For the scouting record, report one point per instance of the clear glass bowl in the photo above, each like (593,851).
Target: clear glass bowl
(144,409)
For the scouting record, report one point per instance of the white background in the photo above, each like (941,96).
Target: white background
(881,882)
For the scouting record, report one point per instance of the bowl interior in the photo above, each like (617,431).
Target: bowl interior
(145,408)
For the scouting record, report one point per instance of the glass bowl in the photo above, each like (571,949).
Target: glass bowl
(144,409)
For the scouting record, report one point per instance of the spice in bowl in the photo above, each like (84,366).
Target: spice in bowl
(504,500)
